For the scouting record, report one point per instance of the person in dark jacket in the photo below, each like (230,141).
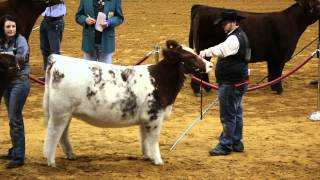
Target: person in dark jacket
(17,91)
(99,19)
(231,70)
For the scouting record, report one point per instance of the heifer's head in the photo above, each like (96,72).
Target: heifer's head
(7,62)
(313,6)
(190,61)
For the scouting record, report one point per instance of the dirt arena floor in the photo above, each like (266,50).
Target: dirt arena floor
(280,141)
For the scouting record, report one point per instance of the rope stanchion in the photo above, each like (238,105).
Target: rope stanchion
(315,116)
(275,81)
(156,53)
(144,58)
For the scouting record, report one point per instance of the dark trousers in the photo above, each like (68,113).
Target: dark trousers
(230,103)
(50,38)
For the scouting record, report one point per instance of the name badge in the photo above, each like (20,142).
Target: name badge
(110,14)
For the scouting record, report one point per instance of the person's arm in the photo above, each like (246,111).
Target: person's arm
(227,48)
(22,51)
(118,18)
(80,16)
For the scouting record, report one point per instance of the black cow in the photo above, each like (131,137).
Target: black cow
(273,36)
(26,11)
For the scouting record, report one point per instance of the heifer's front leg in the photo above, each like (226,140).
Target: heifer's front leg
(55,128)
(150,133)
(143,142)
(66,145)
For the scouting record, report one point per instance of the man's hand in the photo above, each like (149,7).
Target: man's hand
(202,53)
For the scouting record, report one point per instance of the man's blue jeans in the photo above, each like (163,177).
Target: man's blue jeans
(230,102)
(50,38)
(15,97)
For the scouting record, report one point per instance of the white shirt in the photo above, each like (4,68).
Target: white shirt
(55,10)
(227,48)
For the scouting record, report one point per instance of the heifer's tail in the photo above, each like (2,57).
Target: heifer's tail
(193,26)
(46,95)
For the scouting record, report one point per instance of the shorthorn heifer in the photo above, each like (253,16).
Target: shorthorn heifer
(108,95)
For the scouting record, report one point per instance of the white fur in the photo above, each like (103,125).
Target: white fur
(68,99)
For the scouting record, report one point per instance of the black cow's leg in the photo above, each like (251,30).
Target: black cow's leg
(274,71)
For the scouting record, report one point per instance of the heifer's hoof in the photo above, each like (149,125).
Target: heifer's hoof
(146,158)
(71,157)
(158,162)
(52,164)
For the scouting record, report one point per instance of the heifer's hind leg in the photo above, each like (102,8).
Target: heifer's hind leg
(56,127)
(66,145)
(143,142)
(150,133)
(274,71)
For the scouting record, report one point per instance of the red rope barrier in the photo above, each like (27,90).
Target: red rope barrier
(275,81)
(31,77)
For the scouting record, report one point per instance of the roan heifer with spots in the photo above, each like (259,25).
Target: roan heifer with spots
(108,95)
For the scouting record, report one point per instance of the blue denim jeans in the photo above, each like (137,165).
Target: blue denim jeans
(230,103)
(98,55)
(15,97)
(50,38)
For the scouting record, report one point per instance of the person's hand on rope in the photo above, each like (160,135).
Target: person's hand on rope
(203,53)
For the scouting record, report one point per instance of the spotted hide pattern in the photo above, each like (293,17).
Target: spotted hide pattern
(105,95)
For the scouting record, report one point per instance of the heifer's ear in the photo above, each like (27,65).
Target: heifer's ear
(171,55)
(172,44)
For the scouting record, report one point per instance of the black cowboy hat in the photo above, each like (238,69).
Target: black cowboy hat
(228,15)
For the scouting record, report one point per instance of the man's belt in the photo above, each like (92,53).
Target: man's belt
(49,18)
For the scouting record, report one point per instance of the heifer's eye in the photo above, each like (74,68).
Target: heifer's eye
(190,65)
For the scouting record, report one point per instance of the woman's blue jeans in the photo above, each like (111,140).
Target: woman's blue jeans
(230,103)
(15,97)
